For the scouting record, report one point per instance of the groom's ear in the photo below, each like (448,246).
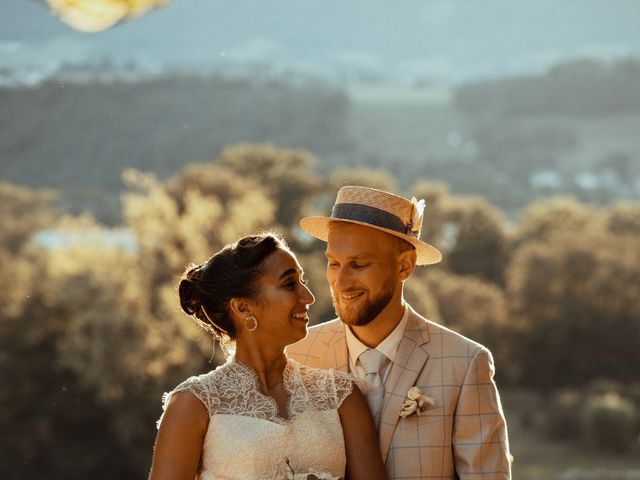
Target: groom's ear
(406,263)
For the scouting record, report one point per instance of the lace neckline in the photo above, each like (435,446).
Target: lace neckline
(288,381)
(233,389)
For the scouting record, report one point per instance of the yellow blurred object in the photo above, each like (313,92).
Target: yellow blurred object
(97,15)
(140,7)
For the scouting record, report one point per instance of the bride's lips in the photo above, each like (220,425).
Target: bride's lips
(301,316)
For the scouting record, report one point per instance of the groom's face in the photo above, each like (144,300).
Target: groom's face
(362,271)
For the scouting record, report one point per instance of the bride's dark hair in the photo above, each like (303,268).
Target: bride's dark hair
(206,289)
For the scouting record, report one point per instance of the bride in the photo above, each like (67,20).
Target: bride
(261,415)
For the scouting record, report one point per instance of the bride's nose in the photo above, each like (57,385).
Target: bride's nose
(307,297)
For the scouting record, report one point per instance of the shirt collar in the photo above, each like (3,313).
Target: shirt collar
(388,346)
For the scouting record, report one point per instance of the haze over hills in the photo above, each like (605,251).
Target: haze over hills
(572,131)
(489,97)
(444,41)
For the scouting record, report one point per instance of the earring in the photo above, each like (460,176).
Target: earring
(250,318)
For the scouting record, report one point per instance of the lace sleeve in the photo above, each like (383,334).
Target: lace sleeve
(327,389)
(342,386)
(201,386)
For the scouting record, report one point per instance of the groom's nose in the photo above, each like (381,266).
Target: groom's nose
(343,277)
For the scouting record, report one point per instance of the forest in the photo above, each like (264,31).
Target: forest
(514,140)
(91,332)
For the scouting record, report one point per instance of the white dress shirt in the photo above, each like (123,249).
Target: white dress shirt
(388,347)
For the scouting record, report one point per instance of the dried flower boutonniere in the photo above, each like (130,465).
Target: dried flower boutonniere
(416,402)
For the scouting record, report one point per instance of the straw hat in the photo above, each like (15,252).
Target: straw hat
(377,209)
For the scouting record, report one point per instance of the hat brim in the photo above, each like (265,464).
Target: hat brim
(318,227)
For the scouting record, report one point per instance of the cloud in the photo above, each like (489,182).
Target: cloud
(51,53)
(29,63)
(438,14)
(436,67)
(358,59)
(257,49)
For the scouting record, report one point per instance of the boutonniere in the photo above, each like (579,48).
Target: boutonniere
(416,402)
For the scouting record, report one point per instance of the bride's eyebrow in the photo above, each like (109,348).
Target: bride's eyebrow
(287,273)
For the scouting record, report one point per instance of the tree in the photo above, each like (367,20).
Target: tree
(91,333)
(418,293)
(23,212)
(609,89)
(469,231)
(48,415)
(542,221)
(285,175)
(191,216)
(579,299)
(624,219)
(571,283)
(367,177)
(475,308)
(480,242)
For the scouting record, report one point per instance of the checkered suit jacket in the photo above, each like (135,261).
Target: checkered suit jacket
(463,436)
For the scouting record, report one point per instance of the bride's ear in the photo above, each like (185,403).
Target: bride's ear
(239,307)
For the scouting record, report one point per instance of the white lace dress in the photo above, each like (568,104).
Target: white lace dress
(246,437)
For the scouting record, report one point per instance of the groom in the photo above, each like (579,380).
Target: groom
(459,431)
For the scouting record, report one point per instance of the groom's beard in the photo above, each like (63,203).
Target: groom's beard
(363,315)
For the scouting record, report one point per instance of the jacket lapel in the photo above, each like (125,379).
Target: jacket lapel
(336,348)
(409,362)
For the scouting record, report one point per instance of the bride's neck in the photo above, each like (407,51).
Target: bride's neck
(268,364)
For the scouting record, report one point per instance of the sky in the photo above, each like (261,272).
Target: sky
(444,41)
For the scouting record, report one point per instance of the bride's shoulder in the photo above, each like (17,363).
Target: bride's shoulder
(205,387)
(205,384)
(204,380)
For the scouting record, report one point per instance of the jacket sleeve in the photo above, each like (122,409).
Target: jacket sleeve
(307,351)
(480,441)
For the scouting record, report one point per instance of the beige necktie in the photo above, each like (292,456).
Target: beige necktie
(372,361)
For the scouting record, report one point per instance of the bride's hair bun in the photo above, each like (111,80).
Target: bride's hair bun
(187,291)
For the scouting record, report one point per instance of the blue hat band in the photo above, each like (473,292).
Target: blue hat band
(373,216)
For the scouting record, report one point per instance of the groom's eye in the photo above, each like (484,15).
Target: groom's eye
(358,264)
